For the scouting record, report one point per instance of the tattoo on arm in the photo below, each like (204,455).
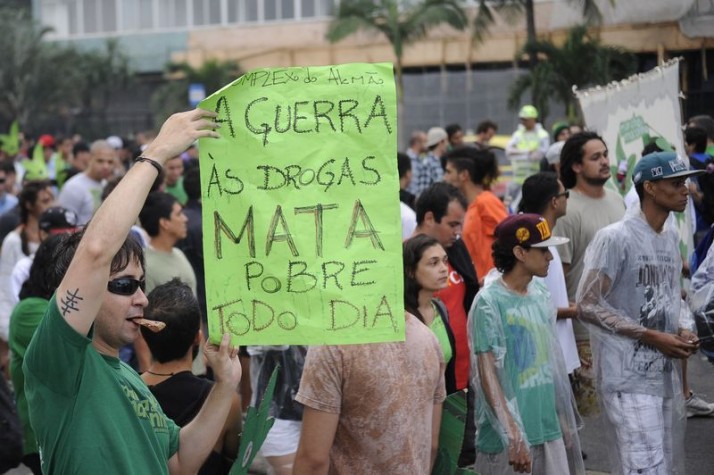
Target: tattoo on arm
(70,302)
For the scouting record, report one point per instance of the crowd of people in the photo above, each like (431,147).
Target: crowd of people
(562,302)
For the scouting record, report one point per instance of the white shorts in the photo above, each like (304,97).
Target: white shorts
(282,439)
(643,429)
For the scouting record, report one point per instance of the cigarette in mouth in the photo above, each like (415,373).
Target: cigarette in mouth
(152,325)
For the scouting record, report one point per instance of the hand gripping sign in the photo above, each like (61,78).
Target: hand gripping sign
(302,238)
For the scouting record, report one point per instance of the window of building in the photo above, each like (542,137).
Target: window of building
(146,14)
(251,10)
(109,15)
(206,12)
(72,17)
(308,8)
(91,17)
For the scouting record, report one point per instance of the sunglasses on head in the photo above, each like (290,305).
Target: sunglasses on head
(126,286)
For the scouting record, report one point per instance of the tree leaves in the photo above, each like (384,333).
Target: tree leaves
(172,96)
(42,80)
(401,23)
(582,61)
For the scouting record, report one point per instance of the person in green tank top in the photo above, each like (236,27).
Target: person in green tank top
(90,411)
(425,272)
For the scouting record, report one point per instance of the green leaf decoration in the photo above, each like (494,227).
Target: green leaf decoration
(664,144)
(10,143)
(255,430)
(36,168)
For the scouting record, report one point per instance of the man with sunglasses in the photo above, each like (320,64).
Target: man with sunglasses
(91,412)
(630,296)
(545,195)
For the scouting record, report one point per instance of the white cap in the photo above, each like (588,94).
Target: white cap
(435,135)
(115,142)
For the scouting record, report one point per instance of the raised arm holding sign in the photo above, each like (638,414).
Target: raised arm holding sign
(90,411)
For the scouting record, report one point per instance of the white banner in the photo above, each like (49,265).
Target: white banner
(630,113)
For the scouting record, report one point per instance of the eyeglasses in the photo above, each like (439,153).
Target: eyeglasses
(566,193)
(126,286)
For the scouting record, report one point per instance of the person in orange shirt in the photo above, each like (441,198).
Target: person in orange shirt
(472,171)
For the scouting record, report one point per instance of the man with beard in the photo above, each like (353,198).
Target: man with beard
(584,170)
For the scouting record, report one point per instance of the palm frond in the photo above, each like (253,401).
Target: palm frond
(355,15)
(482,22)
(417,21)
(590,10)
(519,87)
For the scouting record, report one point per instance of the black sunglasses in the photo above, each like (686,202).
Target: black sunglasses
(126,286)
(566,193)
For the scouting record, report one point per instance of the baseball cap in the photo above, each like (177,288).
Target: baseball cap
(528,230)
(115,142)
(558,127)
(528,112)
(661,165)
(58,220)
(46,140)
(435,135)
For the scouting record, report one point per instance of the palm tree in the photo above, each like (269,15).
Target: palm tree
(485,18)
(581,61)
(42,80)
(400,22)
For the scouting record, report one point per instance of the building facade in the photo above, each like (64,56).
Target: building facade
(263,33)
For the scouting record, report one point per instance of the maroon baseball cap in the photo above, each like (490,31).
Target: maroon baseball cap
(527,230)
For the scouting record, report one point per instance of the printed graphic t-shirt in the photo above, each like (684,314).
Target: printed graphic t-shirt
(643,269)
(91,413)
(518,329)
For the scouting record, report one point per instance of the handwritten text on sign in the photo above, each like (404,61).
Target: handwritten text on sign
(302,242)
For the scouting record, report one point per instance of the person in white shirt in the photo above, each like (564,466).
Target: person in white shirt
(82,193)
(544,194)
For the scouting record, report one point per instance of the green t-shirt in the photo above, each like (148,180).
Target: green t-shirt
(437,326)
(517,330)
(24,320)
(91,413)
(177,191)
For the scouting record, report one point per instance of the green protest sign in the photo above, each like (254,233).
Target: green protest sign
(302,236)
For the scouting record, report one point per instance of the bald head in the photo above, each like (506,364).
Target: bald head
(102,160)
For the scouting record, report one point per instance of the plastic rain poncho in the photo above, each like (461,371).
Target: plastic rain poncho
(630,283)
(705,272)
(701,302)
(263,359)
(522,387)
